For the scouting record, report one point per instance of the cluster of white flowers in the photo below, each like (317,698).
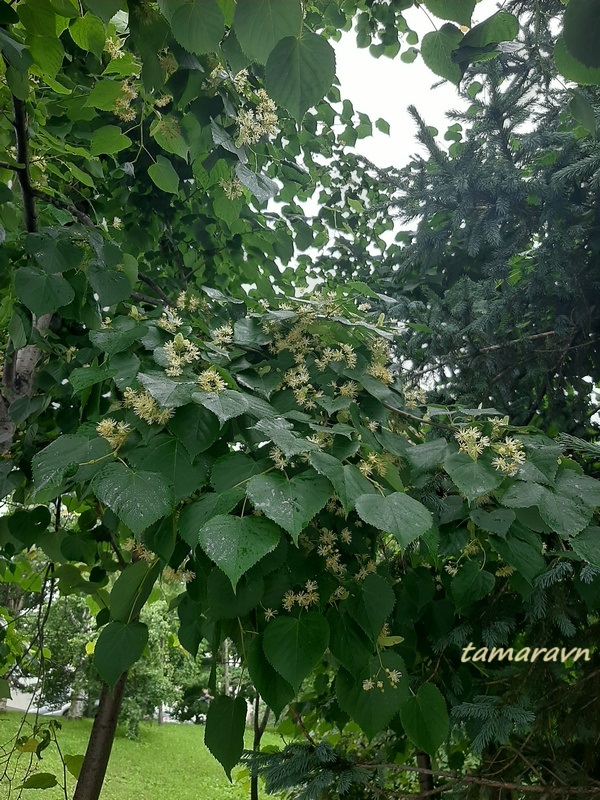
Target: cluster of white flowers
(210,381)
(304,599)
(232,188)
(114,432)
(254,124)
(180,352)
(144,406)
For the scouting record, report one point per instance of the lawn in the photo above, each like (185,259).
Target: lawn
(168,761)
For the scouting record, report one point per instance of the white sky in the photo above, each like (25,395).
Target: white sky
(383,87)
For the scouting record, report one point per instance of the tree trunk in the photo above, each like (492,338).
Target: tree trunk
(161,711)
(77,705)
(259,729)
(425,781)
(99,746)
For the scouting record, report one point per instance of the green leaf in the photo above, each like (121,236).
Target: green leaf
(53,254)
(382,126)
(372,604)
(572,69)
(131,590)
(209,505)
(120,336)
(424,717)
(137,498)
(237,543)
(167,455)
(293,646)
(346,479)
(164,176)
(196,427)
(563,514)
(108,140)
(274,690)
(40,292)
(47,53)
(459,11)
(290,502)
(166,392)
(497,521)
(472,478)
(65,8)
(500,27)
(348,643)
(582,110)
(39,780)
(522,549)
(52,463)
(89,33)
(4,689)
(581,31)
(224,732)
(222,602)
(225,404)
(299,72)
(587,545)
(470,584)
(111,285)
(261,186)
(105,9)
(103,95)
(199,26)
(260,24)
(118,647)
(281,433)
(373,709)
(233,470)
(437,48)
(74,764)
(16,53)
(406,519)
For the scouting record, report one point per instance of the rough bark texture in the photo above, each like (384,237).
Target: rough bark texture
(20,368)
(95,762)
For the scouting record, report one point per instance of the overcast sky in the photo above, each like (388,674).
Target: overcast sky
(383,87)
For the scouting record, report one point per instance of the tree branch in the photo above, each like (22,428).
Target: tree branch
(149,282)
(27,190)
(66,206)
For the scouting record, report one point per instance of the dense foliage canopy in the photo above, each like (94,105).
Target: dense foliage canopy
(263,451)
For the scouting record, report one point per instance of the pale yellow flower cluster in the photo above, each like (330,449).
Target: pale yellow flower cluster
(232,188)
(373,463)
(511,454)
(169,322)
(374,682)
(211,381)
(306,598)
(344,352)
(472,442)
(223,335)
(414,397)
(240,81)
(114,432)
(180,352)
(505,572)
(277,456)
(122,105)
(254,124)
(144,406)
(186,301)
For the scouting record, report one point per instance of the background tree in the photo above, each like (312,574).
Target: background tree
(496,278)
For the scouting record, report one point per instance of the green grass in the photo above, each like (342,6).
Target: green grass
(170,761)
